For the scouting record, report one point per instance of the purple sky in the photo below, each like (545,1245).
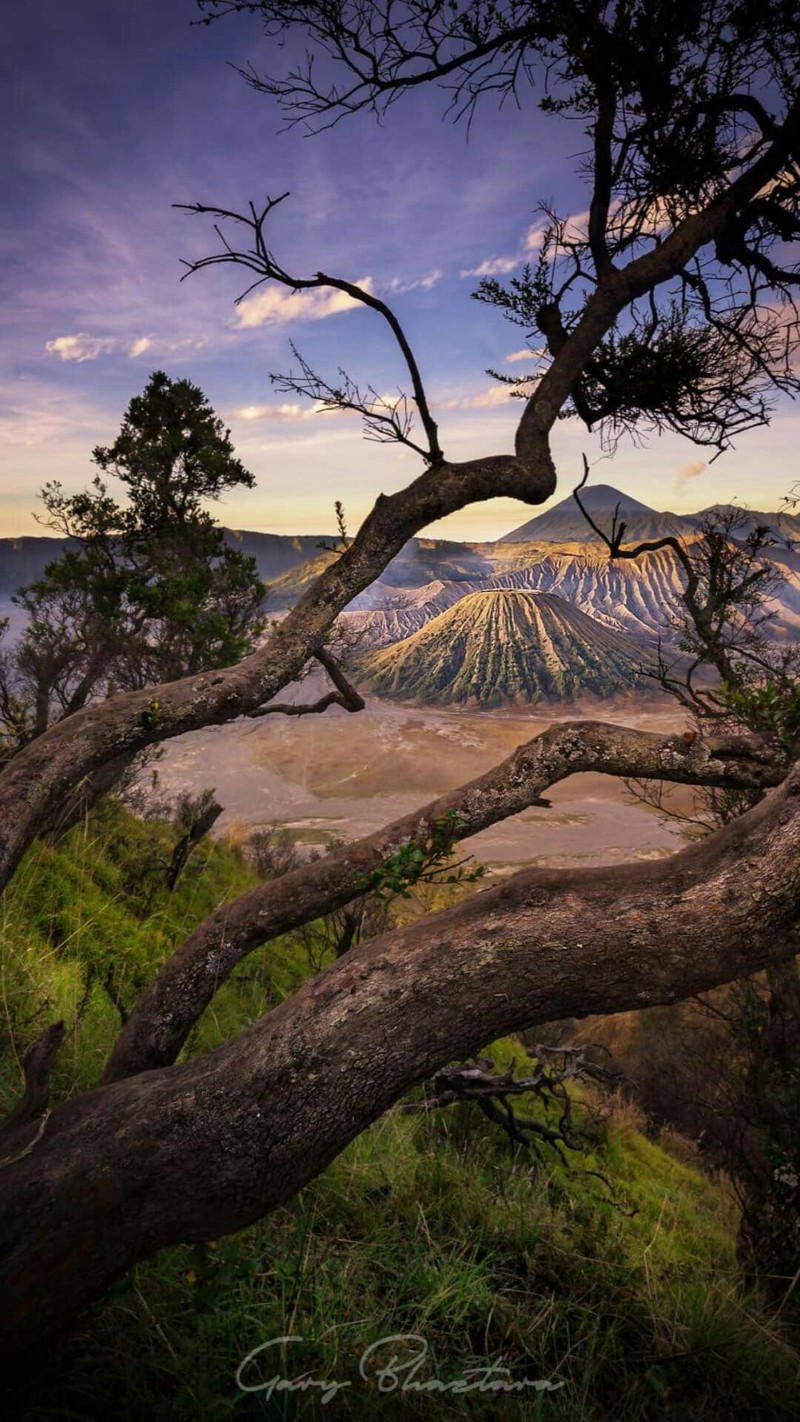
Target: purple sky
(112,112)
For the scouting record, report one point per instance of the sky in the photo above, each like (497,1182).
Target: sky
(113,113)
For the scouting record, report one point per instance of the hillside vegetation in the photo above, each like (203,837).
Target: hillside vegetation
(621,1288)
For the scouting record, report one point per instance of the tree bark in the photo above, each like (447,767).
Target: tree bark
(192,1151)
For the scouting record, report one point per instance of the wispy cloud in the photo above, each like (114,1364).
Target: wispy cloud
(80,347)
(487,399)
(493,266)
(282,412)
(398,285)
(687,472)
(500,266)
(276,306)
(533,238)
(484,400)
(527,354)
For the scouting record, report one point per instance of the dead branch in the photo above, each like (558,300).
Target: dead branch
(258,258)
(475,1080)
(345,694)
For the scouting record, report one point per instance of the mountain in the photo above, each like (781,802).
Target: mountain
(276,553)
(505,647)
(639,599)
(785,526)
(23,560)
(564,522)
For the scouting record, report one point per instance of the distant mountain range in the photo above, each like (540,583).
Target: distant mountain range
(23,560)
(547,584)
(505,647)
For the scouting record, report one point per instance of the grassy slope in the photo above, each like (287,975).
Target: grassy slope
(425,1226)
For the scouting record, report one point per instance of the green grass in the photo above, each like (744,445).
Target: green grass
(624,1292)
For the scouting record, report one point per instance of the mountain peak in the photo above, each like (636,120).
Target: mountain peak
(564,522)
(505,646)
(604,496)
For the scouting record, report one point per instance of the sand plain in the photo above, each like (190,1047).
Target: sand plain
(338,776)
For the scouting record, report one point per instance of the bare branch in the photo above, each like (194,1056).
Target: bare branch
(385,55)
(384,418)
(345,695)
(258,258)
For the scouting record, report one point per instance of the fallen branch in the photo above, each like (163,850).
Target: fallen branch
(475,1080)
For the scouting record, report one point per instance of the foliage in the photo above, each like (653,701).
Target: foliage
(145,591)
(413,862)
(771,708)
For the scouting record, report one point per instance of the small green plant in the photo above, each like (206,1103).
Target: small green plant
(771,709)
(152,713)
(341,528)
(430,861)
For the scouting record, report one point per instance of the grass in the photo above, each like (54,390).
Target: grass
(624,1296)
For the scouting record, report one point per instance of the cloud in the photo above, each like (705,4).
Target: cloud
(280,412)
(495,395)
(527,354)
(80,347)
(687,472)
(83,347)
(276,305)
(533,238)
(577,227)
(493,266)
(426,282)
(499,266)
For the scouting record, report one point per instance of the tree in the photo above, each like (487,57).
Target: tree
(737,1082)
(146,591)
(693,139)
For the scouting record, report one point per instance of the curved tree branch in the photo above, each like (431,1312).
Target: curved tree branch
(345,694)
(161,1021)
